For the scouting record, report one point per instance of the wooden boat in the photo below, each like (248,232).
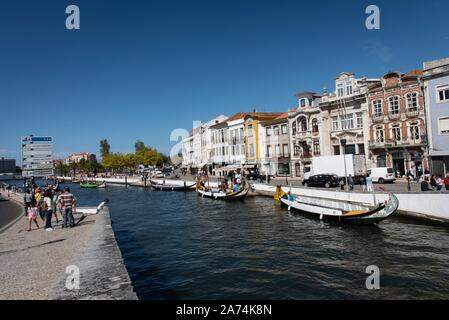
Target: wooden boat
(102,186)
(89,185)
(221,195)
(342,211)
(172,187)
(76,180)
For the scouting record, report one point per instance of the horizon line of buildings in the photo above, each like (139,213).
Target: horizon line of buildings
(400,120)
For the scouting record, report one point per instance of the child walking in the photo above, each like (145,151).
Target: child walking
(32,215)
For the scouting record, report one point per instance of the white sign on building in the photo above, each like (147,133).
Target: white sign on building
(37,156)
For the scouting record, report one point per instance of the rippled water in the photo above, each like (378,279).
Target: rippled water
(181,246)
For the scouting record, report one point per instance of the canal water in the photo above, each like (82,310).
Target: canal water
(181,246)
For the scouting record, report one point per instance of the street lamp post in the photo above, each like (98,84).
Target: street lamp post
(343,144)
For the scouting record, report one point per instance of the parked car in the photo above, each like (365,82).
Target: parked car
(257,176)
(322,180)
(382,174)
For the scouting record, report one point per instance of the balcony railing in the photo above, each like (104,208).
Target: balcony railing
(394,116)
(389,143)
(377,117)
(412,113)
(303,134)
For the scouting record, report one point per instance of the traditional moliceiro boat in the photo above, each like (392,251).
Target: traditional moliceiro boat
(92,185)
(343,211)
(223,195)
(172,187)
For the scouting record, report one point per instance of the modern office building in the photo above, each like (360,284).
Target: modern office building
(37,156)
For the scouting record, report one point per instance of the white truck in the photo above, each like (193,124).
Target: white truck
(355,166)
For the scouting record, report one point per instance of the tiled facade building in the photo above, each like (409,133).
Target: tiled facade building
(397,123)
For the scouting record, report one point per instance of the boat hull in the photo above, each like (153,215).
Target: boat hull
(168,187)
(223,196)
(368,216)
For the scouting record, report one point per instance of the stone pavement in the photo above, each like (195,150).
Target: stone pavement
(33,264)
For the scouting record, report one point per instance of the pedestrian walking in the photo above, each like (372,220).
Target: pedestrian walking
(47,210)
(351,183)
(369,183)
(363,183)
(32,215)
(67,202)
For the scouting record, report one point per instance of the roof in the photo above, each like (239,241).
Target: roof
(257,115)
(283,117)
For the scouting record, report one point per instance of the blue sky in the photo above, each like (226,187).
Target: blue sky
(139,69)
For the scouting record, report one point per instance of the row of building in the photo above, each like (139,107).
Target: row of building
(400,120)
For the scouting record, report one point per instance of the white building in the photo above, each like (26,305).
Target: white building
(344,115)
(37,156)
(197,148)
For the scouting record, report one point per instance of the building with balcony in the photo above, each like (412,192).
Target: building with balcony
(344,116)
(397,124)
(275,146)
(304,123)
(237,141)
(436,90)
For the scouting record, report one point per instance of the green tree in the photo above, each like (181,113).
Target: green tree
(105,148)
(139,146)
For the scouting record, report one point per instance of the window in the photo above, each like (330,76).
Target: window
(335,124)
(348,88)
(377,108)
(361,148)
(347,121)
(277,150)
(250,130)
(359,119)
(394,104)
(350,149)
(276,130)
(302,122)
(443,125)
(284,129)
(315,125)
(396,132)
(269,152)
(340,90)
(316,147)
(302,103)
(268,131)
(414,131)
(285,150)
(443,93)
(380,137)
(251,150)
(412,102)
(336,150)
(294,127)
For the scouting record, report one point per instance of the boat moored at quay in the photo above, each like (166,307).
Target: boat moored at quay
(342,211)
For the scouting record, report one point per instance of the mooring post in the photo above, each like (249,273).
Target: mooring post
(126,181)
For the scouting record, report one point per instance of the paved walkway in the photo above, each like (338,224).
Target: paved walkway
(33,264)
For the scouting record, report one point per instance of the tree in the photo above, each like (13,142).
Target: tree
(105,148)
(139,145)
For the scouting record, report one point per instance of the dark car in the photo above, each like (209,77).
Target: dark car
(257,176)
(322,180)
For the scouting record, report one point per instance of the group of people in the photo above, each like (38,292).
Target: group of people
(47,202)
(435,183)
(233,182)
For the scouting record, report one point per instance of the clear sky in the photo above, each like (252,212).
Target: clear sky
(139,69)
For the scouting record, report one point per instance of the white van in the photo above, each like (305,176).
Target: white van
(382,174)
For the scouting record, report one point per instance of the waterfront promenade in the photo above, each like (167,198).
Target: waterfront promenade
(34,263)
